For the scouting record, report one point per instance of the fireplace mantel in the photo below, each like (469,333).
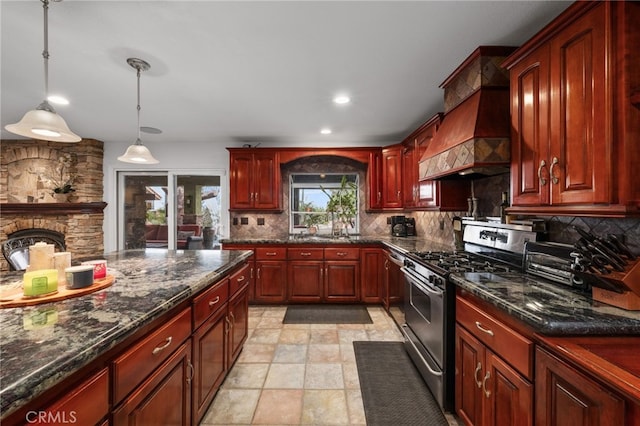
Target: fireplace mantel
(52,208)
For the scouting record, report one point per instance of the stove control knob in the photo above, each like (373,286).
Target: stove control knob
(432,279)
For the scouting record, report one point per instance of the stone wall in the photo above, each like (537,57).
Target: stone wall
(27,173)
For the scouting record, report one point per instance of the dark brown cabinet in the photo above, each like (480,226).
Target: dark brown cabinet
(87,404)
(238,318)
(572,118)
(330,274)
(494,369)
(374,180)
(270,275)
(254,179)
(392,177)
(210,362)
(305,274)
(393,281)
(565,396)
(164,397)
(372,274)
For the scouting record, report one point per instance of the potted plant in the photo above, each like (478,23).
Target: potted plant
(312,221)
(63,179)
(343,206)
(208,233)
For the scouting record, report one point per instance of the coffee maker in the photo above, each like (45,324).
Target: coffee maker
(402,226)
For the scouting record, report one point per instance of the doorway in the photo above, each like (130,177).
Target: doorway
(170,210)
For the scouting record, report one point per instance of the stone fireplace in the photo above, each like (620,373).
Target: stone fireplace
(26,201)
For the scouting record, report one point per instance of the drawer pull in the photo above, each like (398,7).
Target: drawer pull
(484,384)
(475,375)
(158,349)
(305,253)
(342,253)
(271,253)
(214,301)
(240,278)
(484,330)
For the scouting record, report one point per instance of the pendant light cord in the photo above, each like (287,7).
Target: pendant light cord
(138,142)
(45,52)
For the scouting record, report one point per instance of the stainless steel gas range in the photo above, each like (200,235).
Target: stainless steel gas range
(429,303)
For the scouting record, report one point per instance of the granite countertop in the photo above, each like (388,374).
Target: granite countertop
(401,244)
(549,308)
(43,344)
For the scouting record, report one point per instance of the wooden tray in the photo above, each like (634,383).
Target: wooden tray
(14,297)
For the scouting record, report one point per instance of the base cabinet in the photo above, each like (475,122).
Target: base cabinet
(393,281)
(564,396)
(371,274)
(165,397)
(494,370)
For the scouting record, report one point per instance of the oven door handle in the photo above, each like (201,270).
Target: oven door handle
(417,351)
(420,282)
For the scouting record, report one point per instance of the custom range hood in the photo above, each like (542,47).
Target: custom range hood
(474,137)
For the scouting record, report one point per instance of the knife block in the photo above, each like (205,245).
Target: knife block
(630,278)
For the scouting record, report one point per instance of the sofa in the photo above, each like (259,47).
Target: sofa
(158,235)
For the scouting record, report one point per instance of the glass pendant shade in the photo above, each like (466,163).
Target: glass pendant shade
(45,124)
(138,154)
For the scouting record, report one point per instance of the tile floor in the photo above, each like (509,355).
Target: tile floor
(298,374)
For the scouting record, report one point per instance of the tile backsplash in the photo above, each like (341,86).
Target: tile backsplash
(436,226)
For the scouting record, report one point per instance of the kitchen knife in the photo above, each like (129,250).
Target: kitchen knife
(621,246)
(597,251)
(598,243)
(584,234)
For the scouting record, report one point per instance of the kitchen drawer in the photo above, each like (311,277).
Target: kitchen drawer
(209,302)
(239,279)
(132,367)
(89,403)
(347,253)
(300,253)
(501,339)
(271,253)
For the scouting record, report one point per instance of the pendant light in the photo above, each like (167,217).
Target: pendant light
(138,153)
(43,122)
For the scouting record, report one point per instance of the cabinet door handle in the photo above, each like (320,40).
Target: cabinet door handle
(484,384)
(484,330)
(475,375)
(191,372)
(158,349)
(251,275)
(233,319)
(258,273)
(542,180)
(214,301)
(228,327)
(379,196)
(554,162)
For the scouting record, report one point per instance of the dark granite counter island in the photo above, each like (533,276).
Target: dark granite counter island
(548,308)
(42,345)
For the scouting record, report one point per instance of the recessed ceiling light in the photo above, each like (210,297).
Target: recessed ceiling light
(325,131)
(59,100)
(342,99)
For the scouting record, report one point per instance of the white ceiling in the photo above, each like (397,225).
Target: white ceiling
(249,72)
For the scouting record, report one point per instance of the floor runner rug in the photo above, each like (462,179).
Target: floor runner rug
(327,314)
(393,392)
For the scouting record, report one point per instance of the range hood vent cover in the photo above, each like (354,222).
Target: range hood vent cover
(474,137)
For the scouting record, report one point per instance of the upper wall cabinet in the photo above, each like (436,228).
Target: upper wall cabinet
(254,179)
(392,177)
(429,194)
(575,127)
